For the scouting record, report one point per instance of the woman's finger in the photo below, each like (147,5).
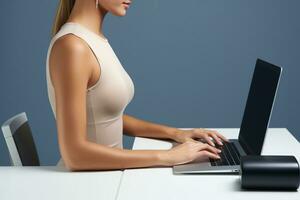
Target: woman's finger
(209,148)
(208,140)
(209,154)
(221,136)
(216,138)
(212,133)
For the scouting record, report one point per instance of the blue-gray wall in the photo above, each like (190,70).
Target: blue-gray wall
(191,62)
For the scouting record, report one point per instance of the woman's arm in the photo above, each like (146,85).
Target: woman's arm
(138,127)
(91,156)
(71,64)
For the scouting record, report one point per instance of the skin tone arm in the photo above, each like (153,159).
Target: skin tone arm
(72,66)
(141,128)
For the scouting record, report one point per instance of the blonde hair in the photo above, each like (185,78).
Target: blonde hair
(62,14)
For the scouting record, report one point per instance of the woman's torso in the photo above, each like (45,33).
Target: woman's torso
(107,99)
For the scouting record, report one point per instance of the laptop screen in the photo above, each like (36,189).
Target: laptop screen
(259,106)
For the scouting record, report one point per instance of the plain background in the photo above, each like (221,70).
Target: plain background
(191,62)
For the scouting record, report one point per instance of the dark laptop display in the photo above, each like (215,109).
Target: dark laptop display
(253,128)
(259,107)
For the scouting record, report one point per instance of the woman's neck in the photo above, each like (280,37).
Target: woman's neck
(86,13)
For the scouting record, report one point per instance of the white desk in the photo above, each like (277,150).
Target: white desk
(160,183)
(53,183)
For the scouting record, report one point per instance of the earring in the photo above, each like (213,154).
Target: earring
(97,2)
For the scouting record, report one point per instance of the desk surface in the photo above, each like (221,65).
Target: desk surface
(30,183)
(161,183)
(53,183)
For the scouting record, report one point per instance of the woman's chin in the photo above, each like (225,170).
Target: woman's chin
(119,13)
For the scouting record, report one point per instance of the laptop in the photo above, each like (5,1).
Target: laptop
(254,125)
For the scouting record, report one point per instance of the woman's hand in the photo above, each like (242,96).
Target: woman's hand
(188,152)
(182,136)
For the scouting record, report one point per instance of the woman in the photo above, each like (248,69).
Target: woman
(89,90)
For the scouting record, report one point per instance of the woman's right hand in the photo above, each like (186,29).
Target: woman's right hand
(188,152)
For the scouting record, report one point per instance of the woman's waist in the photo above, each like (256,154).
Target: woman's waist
(91,121)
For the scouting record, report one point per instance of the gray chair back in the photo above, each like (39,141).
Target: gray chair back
(19,140)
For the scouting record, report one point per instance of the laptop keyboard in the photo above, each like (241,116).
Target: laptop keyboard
(229,155)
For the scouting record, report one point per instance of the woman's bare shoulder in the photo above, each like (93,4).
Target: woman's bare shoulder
(69,48)
(70,56)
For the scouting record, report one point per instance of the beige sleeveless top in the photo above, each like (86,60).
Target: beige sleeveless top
(107,99)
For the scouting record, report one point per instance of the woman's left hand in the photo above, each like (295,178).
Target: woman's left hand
(182,136)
